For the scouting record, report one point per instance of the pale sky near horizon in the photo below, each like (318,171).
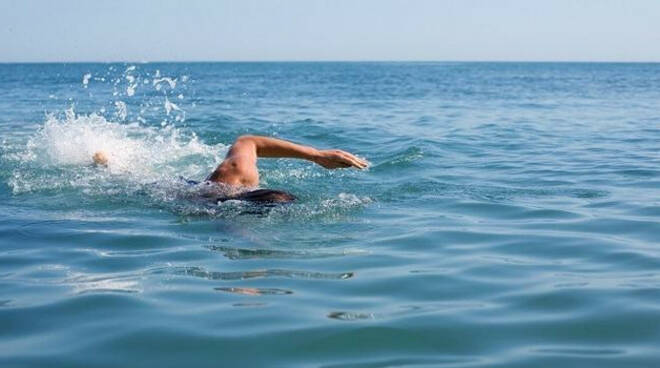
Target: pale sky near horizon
(270,30)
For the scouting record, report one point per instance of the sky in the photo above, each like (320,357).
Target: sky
(316,30)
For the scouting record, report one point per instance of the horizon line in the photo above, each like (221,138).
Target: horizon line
(323,61)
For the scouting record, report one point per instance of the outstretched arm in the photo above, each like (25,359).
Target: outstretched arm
(240,165)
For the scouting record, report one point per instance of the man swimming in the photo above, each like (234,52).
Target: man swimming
(239,168)
(238,172)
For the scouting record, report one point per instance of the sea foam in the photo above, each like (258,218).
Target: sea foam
(135,152)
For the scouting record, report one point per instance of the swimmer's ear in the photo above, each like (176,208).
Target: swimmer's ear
(100,158)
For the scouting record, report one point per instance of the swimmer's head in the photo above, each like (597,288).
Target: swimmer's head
(100,158)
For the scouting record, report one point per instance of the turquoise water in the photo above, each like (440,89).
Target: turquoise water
(510,218)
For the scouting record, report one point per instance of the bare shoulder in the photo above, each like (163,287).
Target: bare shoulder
(239,168)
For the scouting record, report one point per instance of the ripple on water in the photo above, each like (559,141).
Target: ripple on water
(122,283)
(254,291)
(243,275)
(246,253)
(576,351)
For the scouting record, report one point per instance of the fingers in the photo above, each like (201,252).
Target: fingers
(342,159)
(355,161)
(361,163)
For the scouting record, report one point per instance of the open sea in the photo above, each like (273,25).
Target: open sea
(510,216)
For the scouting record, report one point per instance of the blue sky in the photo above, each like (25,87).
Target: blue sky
(508,30)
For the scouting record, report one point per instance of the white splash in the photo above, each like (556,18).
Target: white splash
(352,199)
(157,82)
(86,79)
(130,90)
(132,82)
(169,106)
(346,200)
(122,110)
(136,154)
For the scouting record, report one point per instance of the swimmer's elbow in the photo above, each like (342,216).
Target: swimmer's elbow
(246,139)
(241,144)
(249,142)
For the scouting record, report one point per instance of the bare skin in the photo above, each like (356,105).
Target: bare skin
(100,158)
(239,167)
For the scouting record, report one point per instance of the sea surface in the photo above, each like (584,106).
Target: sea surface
(510,216)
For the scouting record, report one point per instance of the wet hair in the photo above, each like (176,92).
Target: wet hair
(264,196)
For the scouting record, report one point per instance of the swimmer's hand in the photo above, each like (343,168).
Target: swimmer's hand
(100,158)
(335,159)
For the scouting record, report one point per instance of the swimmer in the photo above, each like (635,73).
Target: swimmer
(238,171)
(239,168)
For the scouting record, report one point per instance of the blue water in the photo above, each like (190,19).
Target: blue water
(510,218)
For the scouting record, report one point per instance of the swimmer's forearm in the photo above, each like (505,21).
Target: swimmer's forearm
(273,147)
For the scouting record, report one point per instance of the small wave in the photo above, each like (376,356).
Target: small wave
(571,351)
(488,193)
(243,275)
(405,311)
(244,253)
(351,316)
(254,291)
(400,159)
(114,283)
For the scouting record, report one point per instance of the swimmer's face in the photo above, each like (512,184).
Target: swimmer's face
(100,158)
